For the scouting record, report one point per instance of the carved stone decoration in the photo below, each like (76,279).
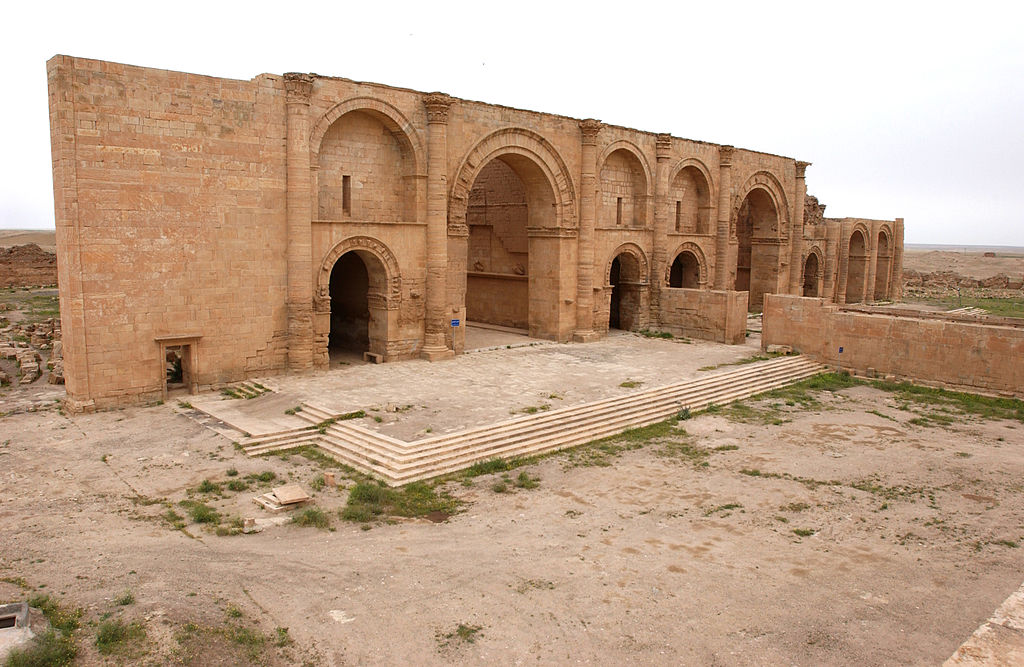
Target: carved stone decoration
(376,248)
(298,87)
(725,155)
(702,262)
(663,145)
(801,168)
(590,128)
(437,105)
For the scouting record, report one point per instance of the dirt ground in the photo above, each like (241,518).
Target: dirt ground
(838,533)
(969,264)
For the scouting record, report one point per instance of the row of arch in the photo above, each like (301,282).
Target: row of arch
(860,286)
(376,146)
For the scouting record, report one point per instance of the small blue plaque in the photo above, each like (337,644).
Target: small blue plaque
(455,323)
(840,348)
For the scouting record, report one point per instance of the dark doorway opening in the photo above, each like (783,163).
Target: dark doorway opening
(614,315)
(350,309)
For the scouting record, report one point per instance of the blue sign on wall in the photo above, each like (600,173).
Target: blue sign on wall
(455,323)
(840,349)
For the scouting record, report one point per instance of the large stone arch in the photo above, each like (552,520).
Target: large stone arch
(384,295)
(628,206)
(883,264)
(513,141)
(632,148)
(699,166)
(698,253)
(770,184)
(689,210)
(392,118)
(636,253)
(813,283)
(857,263)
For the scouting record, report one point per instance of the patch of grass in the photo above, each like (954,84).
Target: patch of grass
(116,636)
(317,483)
(282,638)
(962,455)
(368,501)
(237,485)
(206,486)
(533,409)
(743,412)
(17,581)
(203,513)
(648,333)
(313,517)
(630,384)
(500,486)
(488,467)
(726,448)
(60,619)
(50,649)
(1006,543)
(125,599)
(794,507)
(463,633)
(722,508)
(524,481)
(185,405)
(233,611)
(292,411)
(804,532)
(882,415)
(176,520)
(948,404)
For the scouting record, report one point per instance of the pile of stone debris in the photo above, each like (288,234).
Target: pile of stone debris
(25,342)
(912,278)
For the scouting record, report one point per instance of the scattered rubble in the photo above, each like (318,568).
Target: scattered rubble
(27,266)
(23,342)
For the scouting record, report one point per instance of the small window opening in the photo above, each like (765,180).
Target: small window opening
(618,211)
(679,215)
(8,621)
(346,195)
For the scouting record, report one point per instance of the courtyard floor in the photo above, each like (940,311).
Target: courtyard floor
(853,529)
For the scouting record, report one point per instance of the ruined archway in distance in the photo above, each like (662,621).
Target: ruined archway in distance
(689,199)
(812,272)
(511,193)
(624,180)
(757,225)
(857,267)
(882,266)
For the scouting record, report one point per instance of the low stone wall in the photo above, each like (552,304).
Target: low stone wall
(717,315)
(27,266)
(497,298)
(968,352)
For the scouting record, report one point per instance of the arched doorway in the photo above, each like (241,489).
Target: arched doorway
(509,195)
(757,227)
(685,271)
(812,269)
(350,309)
(856,268)
(689,201)
(623,191)
(882,267)
(625,278)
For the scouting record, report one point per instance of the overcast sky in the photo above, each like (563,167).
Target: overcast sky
(912,111)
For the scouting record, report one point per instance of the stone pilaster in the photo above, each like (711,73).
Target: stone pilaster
(844,262)
(434,345)
(833,251)
(660,251)
(589,129)
(896,275)
(796,236)
(724,211)
(869,279)
(299,252)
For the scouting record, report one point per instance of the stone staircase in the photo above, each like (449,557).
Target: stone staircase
(398,462)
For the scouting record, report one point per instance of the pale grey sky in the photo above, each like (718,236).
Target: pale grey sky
(913,110)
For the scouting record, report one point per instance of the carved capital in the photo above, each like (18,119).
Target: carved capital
(663,145)
(801,168)
(437,105)
(725,155)
(590,129)
(298,87)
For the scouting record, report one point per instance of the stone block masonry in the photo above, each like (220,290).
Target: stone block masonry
(251,227)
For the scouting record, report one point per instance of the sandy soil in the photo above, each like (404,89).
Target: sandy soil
(972,264)
(652,558)
(44,238)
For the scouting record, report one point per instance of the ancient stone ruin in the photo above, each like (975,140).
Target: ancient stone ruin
(27,266)
(251,227)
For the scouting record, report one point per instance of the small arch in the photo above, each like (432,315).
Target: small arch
(698,269)
(812,269)
(358,288)
(690,197)
(627,287)
(857,259)
(772,186)
(391,117)
(625,181)
(883,262)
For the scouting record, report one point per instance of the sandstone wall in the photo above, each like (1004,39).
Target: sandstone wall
(27,266)
(980,353)
(716,315)
(169,195)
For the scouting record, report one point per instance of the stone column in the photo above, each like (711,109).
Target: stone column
(434,345)
(896,272)
(299,251)
(844,262)
(872,250)
(585,333)
(660,251)
(796,268)
(724,206)
(833,250)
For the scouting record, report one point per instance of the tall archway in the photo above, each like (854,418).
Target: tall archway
(757,226)
(685,271)
(624,185)
(350,306)
(856,267)
(509,195)
(882,265)
(626,300)
(812,271)
(689,201)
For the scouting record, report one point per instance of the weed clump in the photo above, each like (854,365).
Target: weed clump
(116,636)
(368,501)
(313,517)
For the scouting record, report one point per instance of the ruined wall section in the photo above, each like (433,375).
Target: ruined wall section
(938,348)
(27,266)
(169,192)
